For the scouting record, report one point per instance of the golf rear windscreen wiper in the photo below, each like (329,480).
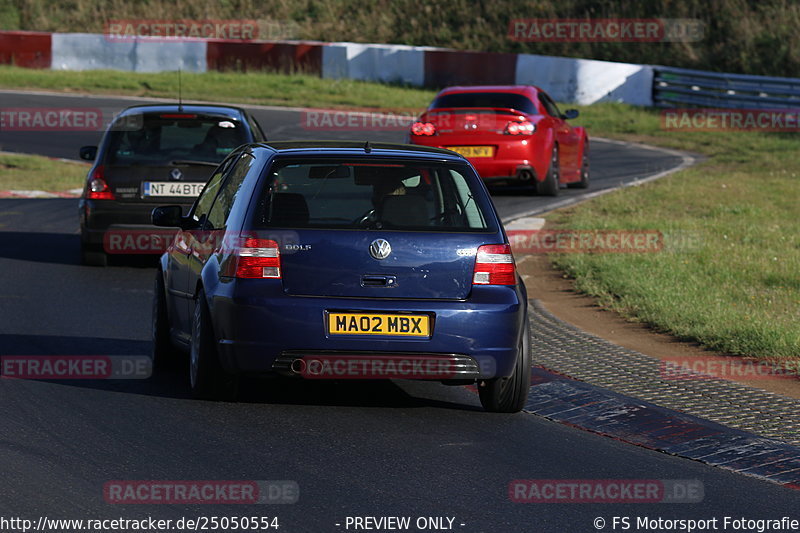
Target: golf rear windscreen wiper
(194,162)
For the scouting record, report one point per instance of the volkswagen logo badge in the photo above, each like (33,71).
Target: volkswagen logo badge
(380,249)
(175,174)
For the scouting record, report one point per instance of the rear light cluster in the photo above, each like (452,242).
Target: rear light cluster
(520,127)
(257,259)
(98,189)
(423,128)
(494,265)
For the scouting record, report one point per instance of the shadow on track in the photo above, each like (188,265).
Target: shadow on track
(59,248)
(172,382)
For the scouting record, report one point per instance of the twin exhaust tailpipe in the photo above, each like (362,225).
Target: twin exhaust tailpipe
(524,174)
(297,367)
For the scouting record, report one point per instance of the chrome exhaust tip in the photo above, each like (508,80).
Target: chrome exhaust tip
(297,367)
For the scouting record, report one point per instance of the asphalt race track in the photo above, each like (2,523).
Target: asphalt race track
(354,449)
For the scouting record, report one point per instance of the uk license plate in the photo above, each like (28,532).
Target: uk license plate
(472,151)
(386,324)
(172,188)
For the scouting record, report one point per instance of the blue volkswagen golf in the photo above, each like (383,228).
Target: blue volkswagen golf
(341,260)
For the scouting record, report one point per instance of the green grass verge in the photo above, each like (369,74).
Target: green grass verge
(736,287)
(33,172)
(261,88)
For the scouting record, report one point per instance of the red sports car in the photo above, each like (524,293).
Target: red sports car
(508,132)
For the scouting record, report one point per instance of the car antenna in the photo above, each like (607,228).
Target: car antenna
(180,87)
(367,147)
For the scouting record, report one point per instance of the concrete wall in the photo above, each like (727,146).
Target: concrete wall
(585,81)
(580,81)
(86,51)
(374,62)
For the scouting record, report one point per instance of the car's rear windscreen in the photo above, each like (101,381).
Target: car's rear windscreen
(485,100)
(157,138)
(369,194)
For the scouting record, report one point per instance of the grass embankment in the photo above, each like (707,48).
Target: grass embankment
(251,88)
(33,172)
(736,286)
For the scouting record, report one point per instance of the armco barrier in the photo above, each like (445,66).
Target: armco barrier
(675,87)
(586,81)
(375,62)
(285,57)
(25,49)
(453,67)
(87,51)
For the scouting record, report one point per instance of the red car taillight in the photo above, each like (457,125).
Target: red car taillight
(520,127)
(98,189)
(423,128)
(494,265)
(258,258)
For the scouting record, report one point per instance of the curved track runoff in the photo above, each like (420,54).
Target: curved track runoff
(362,449)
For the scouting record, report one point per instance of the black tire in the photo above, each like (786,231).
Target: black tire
(584,183)
(207,379)
(163,353)
(508,395)
(550,185)
(93,256)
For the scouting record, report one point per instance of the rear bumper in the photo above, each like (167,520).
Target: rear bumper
(98,217)
(369,365)
(510,155)
(257,325)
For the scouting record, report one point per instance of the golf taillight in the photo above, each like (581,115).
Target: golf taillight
(423,128)
(258,258)
(98,189)
(494,265)
(520,127)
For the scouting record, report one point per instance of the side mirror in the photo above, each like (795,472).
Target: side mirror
(170,216)
(569,114)
(88,153)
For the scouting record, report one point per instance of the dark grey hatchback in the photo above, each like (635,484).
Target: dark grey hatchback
(148,155)
(322,260)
